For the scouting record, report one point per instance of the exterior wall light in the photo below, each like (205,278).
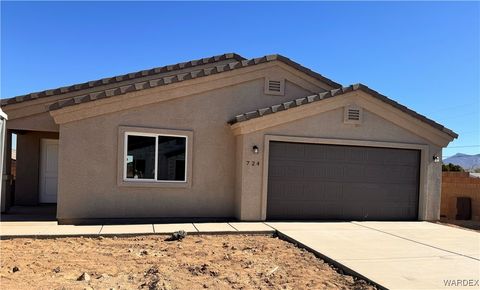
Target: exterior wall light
(255,149)
(436,158)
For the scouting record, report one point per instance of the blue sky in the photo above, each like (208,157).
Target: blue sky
(424,55)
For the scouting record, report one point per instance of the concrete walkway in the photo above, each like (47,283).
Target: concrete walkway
(396,255)
(51,228)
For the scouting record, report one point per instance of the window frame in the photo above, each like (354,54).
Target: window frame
(125,131)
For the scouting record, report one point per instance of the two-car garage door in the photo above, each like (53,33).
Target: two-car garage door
(332,182)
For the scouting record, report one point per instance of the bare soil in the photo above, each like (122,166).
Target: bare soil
(150,262)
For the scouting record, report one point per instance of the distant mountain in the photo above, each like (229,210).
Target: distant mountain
(468,162)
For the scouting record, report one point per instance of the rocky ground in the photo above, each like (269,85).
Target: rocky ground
(151,262)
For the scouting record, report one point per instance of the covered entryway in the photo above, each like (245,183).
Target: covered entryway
(31,177)
(336,182)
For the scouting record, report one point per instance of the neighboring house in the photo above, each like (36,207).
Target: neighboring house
(225,137)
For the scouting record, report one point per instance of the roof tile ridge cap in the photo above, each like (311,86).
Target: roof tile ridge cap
(222,67)
(393,102)
(271,57)
(300,67)
(174,77)
(126,76)
(257,60)
(233,55)
(298,102)
(59,104)
(334,92)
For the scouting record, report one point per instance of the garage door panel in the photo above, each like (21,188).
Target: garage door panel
(296,208)
(356,155)
(375,156)
(375,173)
(308,170)
(306,192)
(329,211)
(402,157)
(288,170)
(316,154)
(286,190)
(323,191)
(354,172)
(296,151)
(333,172)
(318,172)
(357,211)
(362,191)
(334,153)
(401,174)
(400,212)
(342,182)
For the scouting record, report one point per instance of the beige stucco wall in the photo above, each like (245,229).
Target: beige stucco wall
(88,159)
(329,125)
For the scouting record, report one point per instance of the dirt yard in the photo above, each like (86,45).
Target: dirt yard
(150,262)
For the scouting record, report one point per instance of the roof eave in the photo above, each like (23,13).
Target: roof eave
(336,92)
(117,79)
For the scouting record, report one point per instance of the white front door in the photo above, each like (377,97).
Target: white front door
(48,170)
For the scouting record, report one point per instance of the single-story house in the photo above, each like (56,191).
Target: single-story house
(225,138)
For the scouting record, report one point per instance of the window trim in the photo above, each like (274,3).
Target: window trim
(125,131)
(154,179)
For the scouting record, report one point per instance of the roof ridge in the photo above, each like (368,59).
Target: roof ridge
(302,68)
(122,77)
(173,78)
(332,93)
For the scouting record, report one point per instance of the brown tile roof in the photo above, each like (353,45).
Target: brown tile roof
(123,78)
(193,74)
(236,61)
(336,92)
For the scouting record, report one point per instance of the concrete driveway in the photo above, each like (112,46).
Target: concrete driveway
(396,255)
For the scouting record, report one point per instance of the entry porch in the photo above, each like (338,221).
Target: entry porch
(30,175)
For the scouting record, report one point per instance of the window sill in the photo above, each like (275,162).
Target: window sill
(165,184)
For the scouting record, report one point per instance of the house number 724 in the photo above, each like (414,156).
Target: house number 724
(253,163)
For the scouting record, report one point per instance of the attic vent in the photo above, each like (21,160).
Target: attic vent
(352,115)
(274,86)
